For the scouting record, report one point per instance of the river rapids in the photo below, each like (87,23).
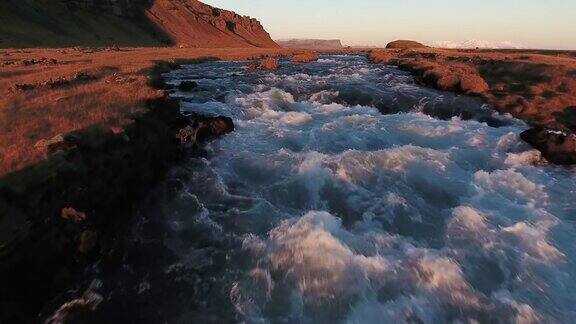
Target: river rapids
(350,194)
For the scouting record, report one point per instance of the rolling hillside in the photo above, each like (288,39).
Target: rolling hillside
(61,23)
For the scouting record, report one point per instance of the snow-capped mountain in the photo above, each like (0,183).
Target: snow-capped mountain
(474,43)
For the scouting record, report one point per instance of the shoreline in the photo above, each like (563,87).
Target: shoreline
(71,209)
(536,88)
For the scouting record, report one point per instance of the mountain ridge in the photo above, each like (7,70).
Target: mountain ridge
(188,23)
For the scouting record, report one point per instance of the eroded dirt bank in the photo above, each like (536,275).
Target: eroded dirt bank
(66,212)
(70,210)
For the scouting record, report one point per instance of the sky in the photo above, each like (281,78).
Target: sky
(531,23)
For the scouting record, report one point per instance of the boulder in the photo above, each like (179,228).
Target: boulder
(44,143)
(557,147)
(269,64)
(205,128)
(210,127)
(51,145)
(187,135)
(187,86)
(304,57)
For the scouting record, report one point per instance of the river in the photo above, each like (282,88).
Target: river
(350,194)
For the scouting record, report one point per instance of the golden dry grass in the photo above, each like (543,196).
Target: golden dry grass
(119,90)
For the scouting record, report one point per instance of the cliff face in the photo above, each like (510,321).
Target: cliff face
(193,23)
(310,43)
(57,23)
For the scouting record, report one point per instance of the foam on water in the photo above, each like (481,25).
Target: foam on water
(358,196)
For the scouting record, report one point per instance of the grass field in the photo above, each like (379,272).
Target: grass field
(46,92)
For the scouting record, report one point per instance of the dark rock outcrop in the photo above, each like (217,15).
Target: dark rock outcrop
(211,127)
(187,86)
(122,8)
(205,128)
(557,147)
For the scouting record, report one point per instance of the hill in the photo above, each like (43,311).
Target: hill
(61,23)
(400,44)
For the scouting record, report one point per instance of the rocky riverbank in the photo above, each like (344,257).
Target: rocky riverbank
(536,86)
(69,211)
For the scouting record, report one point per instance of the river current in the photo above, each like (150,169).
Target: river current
(350,194)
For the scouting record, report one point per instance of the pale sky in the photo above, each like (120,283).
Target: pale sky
(532,23)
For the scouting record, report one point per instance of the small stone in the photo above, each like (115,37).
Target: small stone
(43,145)
(53,145)
(72,214)
(187,86)
(187,135)
(88,240)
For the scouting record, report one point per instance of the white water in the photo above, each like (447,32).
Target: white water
(342,214)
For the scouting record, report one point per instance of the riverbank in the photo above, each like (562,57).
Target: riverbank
(47,92)
(538,87)
(86,133)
